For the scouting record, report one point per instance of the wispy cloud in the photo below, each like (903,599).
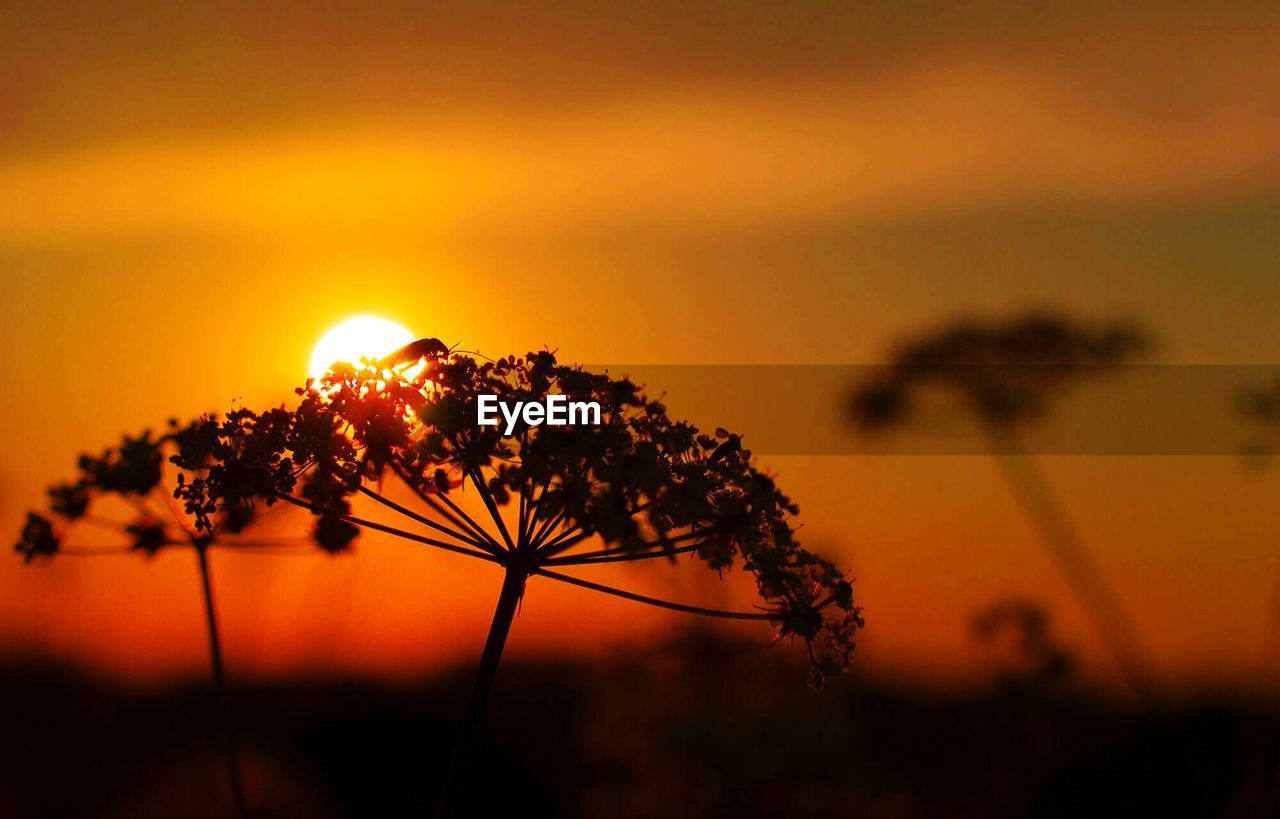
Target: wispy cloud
(1106,120)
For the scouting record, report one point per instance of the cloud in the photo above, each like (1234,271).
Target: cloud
(1119,120)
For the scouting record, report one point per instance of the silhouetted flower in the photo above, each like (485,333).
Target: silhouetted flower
(1005,370)
(133,468)
(38,539)
(334,534)
(240,460)
(234,456)
(1035,658)
(148,535)
(69,500)
(222,467)
(1008,372)
(637,485)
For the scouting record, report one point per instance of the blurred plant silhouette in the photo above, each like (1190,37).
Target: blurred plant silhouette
(1032,658)
(638,486)
(1262,406)
(141,477)
(1008,373)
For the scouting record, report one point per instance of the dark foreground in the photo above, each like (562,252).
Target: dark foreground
(702,729)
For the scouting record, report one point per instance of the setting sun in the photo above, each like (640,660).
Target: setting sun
(356,338)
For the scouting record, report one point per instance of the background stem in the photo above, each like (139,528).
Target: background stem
(1067,549)
(469,732)
(220,688)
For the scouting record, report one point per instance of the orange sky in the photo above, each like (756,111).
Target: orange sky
(187,202)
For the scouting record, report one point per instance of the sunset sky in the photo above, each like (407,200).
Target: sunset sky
(189,200)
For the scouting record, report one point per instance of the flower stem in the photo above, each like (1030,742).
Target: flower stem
(469,733)
(1076,563)
(220,688)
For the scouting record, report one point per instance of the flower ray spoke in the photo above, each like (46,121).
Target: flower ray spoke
(477,480)
(409,513)
(454,514)
(653,601)
(391,530)
(616,556)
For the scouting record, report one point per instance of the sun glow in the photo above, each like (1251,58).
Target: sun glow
(356,338)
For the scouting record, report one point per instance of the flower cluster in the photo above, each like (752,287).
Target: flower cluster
(1262,404)
(134,473)
(1005,370)
(637,485)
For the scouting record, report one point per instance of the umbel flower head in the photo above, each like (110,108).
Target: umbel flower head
(1007,371)
(234,456)
(636,486)
(134,473)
